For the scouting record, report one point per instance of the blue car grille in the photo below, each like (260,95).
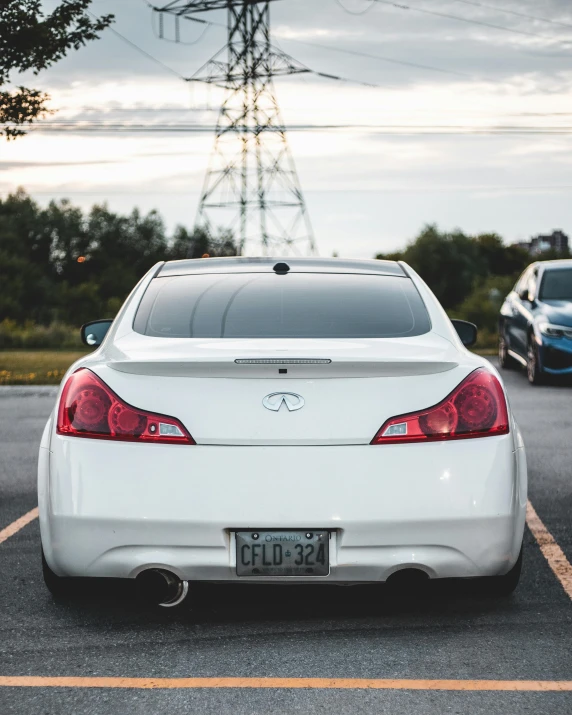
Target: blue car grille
(555,359)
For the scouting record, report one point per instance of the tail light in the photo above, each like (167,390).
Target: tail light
(475,408)
(89,408)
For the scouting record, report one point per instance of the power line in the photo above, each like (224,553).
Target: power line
(356,12)
(514,12)
(343,50)
(205,108)
(141,51)
(389,189)
(459,18)
(327,75)
(207,24)
(449,16)
(391,60)
(450,130)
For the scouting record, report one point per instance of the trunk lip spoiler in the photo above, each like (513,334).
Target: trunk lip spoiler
(333,368)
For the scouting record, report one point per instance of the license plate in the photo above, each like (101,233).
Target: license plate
(282,553)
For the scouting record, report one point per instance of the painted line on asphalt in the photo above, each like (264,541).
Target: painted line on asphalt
(295,683)
(20,523)
(550,549)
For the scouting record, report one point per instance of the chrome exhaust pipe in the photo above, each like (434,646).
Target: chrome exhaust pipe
(162,588)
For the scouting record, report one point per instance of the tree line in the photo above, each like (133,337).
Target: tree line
(470,275)
(61,266)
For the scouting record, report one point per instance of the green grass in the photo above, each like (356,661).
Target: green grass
(35,367)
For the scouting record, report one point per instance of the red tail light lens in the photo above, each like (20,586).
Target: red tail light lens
(475,408)
(89,408)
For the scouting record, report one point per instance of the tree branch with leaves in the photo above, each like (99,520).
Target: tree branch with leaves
(33,41)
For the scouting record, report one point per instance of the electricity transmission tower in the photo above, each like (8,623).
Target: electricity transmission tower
(251,187)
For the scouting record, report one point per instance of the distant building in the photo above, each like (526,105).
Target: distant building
(523,244)
(557,241)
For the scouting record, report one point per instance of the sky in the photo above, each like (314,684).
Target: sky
(468,124)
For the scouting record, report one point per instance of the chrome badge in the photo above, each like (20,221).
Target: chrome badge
(275,401)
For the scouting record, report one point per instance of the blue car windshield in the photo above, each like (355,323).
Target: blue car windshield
(556,284)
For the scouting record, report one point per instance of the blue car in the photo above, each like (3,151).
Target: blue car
(535,325)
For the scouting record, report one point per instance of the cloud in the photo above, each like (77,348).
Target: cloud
(366,190)
(10,165)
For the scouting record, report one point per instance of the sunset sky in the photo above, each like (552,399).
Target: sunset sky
(477,135)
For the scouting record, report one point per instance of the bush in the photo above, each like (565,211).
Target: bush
(482,307)
(32,336)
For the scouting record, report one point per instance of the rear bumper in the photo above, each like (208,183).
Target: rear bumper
(113,509)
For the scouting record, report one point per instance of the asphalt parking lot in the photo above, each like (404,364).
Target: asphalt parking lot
(355,639)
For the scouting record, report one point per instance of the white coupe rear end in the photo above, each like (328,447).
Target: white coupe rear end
(262,421)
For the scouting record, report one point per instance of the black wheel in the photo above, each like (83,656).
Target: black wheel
(59,586)
(505,360)
(533,368)
(502,586)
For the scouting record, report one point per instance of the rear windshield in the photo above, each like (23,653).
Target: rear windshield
(297,305)
(556,284)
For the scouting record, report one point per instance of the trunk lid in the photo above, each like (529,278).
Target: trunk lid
(217,388)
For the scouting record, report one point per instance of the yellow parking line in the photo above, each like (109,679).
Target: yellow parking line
(20,523)
(550,549)
(298,683)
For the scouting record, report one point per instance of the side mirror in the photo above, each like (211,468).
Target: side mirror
(523,294)
(466,331)
(92,334)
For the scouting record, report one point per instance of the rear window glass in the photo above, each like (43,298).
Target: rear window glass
(297,305)
(556,284)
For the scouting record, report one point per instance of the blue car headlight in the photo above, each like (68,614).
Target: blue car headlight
(555,331)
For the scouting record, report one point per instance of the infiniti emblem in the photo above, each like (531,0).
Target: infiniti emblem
(275,401)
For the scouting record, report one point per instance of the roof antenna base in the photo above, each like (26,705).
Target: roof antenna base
(281,269)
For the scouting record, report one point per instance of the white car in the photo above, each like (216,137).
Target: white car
(281,420)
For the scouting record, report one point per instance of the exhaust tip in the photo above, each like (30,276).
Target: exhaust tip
(159,587)
(408,580)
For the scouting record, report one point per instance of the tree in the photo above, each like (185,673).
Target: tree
(454,264)
(501,260)
(30,40)
(200,243)
(61,264)
(449,262)
(483,304)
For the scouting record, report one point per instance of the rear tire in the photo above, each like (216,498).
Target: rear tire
(59,586)
(505,360)
(502,586)
(533,368)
